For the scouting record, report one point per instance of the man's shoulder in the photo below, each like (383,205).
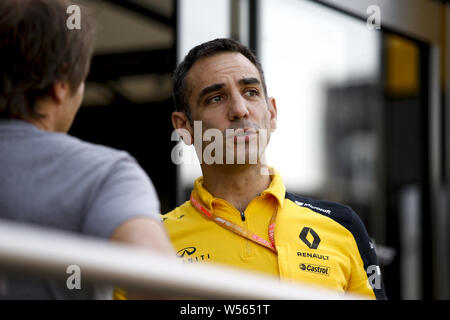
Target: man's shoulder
(179,214)
(184,222)
(30,137)
(78,153)
(340,213)
(64,154)
(92,148)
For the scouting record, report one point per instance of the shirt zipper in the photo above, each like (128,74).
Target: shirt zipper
(248,250)
(247,242)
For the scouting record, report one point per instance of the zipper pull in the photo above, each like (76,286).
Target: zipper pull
(242,216)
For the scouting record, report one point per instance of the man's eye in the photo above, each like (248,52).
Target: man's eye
(252,93)
(215,99)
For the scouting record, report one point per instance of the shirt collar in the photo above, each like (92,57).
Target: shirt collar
(202,194)
(276,189)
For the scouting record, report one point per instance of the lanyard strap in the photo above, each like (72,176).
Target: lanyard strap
(239,230)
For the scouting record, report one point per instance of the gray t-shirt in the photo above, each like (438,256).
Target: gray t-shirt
(58,181)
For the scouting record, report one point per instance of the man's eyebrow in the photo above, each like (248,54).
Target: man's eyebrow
(209,89)
(246,81)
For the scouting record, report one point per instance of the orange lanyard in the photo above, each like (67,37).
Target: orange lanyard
(237,229)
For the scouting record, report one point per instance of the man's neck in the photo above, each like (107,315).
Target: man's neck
(42,124)
(54,116)
(236,184)
(46,123)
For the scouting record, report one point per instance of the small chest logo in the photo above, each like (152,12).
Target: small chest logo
(186,251)
(314,268)
(304,236)
(187,255)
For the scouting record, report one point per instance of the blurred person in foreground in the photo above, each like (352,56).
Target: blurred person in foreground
(239,212)
(47,177)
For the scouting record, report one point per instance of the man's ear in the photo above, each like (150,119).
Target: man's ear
(273,113)
(182,124)
(60,91)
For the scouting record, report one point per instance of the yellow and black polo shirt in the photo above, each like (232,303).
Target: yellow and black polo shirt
(318,242)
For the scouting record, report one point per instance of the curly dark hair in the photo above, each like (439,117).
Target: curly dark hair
(204,50)
(37,49)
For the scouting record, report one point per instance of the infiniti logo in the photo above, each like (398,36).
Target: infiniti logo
(188,250)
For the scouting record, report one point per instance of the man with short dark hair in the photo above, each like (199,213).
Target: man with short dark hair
(239,212)
(48,178)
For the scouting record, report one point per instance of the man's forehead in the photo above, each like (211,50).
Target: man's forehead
(214,69)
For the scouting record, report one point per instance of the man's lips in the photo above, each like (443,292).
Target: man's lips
(240,132)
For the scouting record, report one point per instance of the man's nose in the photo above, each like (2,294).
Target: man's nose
(238,108)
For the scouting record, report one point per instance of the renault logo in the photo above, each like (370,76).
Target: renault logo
(184,251)
(304,234)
